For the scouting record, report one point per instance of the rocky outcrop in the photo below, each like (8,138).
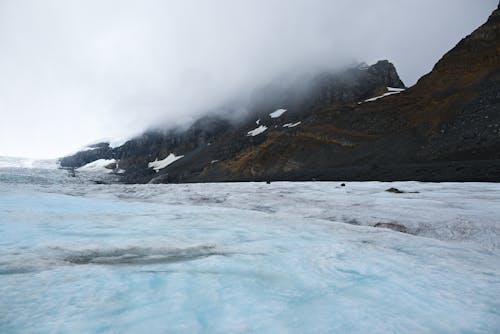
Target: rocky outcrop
(358,124)
(89,154)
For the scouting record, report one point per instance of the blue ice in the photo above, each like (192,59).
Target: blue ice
(85,259)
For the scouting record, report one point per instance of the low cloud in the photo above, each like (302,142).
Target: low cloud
(72,72)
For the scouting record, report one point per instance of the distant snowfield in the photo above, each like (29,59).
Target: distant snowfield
(283,257)
(160,164)
(15,162)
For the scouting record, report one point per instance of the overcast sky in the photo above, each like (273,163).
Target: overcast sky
(73,72)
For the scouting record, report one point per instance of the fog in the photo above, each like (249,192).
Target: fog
(74,72)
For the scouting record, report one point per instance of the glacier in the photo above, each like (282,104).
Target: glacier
(84,257)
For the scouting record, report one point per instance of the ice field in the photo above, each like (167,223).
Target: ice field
(80,257)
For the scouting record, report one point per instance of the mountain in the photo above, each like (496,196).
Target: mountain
(358,124)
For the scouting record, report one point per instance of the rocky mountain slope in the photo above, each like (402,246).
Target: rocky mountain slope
(358,124)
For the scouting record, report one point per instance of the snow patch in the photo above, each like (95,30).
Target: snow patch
(257,121)
(391,90)
(160,164)
(277,113)
(98,166)
(291,125)
(257,131)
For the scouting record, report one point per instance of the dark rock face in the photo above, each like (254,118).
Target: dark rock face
(92,153)
(135,154)
(445,128)
(354,85)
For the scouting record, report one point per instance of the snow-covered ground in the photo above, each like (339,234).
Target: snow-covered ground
(248,257)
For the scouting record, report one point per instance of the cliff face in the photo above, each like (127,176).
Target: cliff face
(445,128)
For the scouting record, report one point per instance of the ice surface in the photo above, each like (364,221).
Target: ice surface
(97,166)
(277,113)
(248,257)
(160,164)
(257,131)
(15,162)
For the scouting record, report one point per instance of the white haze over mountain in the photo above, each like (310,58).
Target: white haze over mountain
(72,72)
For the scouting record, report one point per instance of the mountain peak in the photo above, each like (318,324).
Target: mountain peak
(387,70)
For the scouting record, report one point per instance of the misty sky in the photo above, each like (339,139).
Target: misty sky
(74,72)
